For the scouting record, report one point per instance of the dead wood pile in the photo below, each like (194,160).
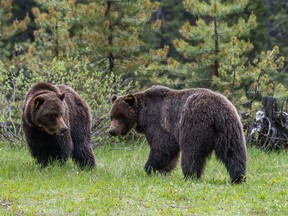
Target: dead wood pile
(270,127)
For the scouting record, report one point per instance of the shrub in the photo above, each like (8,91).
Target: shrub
(13,84)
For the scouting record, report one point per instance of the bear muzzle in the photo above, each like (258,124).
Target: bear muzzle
(63,130)
(61,126)
(112,132)
(59,131)
(115,128)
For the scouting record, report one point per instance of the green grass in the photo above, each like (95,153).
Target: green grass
(119,186)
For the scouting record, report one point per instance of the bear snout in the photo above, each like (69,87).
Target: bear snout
(61,126)
(63,130)
(112,132)
(60,131)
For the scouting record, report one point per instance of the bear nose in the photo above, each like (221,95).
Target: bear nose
(112,132)
(63,130)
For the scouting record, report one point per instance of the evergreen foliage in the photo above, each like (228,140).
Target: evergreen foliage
(279,33)
(9,29)
(172,16)
(257,83)
(212,44)
(271,30)
(104,32)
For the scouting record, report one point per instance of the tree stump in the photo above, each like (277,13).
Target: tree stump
(270,127)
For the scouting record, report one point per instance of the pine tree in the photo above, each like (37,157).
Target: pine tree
(279,31)
(172,16)
(120,25)
(9,28)
(106,33)
(257,81)
(57,34)
(214,47)
(271,30)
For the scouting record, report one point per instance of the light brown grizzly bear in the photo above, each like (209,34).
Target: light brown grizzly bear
(193,121)
(56,123)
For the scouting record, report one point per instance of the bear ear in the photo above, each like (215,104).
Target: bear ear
(130,99)
(62,96)
(113,98)
(38,101)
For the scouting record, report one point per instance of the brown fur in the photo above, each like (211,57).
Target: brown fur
(57,124)
(195,121)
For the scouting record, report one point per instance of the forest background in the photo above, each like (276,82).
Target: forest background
(102,47)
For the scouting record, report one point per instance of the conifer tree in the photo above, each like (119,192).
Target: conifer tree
(104,33)
(9,29)
(172,16)
(214,47)
(119,27)
(278,32)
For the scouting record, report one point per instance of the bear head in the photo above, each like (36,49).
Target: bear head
(49,113)
(123,114)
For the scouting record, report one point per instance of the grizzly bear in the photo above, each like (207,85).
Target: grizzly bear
(56,123)
(193,121)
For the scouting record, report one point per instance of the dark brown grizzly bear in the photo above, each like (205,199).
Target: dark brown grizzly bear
(56,123)
(193,121)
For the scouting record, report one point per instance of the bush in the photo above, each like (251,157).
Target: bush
(12,90)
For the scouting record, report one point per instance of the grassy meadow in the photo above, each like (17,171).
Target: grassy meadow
(119,186)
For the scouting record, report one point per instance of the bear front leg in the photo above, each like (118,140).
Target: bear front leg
(161,161)
(48,160)
(49,157)
(82,153)
(83,156)
(42,160)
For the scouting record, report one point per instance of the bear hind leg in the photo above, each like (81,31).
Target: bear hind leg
(193,164)
(234,158)
(235,167)
(196,146)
